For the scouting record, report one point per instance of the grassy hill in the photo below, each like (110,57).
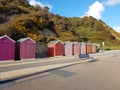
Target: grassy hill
(18,19)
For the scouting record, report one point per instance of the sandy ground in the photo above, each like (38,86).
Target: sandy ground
(103,74)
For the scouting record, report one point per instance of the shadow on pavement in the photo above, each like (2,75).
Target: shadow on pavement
(63,73)
(93,60)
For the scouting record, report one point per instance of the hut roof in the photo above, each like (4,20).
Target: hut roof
(75,42)
(7,37)
(68,42)
(89,43)
(54,42)
(82,43)
(24,39)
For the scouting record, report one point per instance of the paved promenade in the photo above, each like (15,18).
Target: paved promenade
(100,75)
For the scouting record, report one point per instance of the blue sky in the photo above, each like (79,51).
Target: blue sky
(106,10)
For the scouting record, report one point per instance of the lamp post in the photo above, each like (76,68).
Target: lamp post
(103,44)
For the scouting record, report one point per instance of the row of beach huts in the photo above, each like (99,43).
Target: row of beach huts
(58,48)
(25,48)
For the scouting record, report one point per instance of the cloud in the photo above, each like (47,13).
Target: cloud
(95,10)
(117,28)
(35,2)
(111,2)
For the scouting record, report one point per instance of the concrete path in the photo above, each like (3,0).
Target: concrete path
(103,74)
(12,74)
(30,64)
(18,69)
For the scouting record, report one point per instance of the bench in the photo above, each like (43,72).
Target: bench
(85,56)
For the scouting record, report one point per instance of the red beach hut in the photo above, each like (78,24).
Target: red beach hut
(76,48)
(68,48)
(25,49)
(89,48)
(7,48)
(83,48)
(55,48)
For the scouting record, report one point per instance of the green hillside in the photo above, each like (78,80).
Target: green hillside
(18,19)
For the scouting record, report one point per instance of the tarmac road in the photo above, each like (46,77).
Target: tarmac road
(103,74)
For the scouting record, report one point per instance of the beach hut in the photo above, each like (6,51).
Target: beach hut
(7,48)
(25,49)
(55,48)
(94,47)
(83,48)
(88,48)
(68,48)
(76,48)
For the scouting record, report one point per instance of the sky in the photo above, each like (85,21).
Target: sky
(106,10)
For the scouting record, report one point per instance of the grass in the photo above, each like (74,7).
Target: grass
(115,47)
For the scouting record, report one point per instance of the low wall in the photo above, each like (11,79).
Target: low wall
(41,51)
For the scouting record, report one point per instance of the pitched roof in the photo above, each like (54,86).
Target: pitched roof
(89,43)
(54,42)
(24,39)
(7,37)
(75,43)
(68,42)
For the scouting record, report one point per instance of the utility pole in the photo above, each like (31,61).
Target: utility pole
(103,44)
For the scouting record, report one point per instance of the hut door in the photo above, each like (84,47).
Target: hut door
(6,51)
(59,49)
(28,50)
(83,49)
(31,50)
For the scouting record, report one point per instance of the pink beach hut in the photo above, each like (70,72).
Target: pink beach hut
(7,48)
(25,49)
(76,48)
(83,48)
(68,48)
